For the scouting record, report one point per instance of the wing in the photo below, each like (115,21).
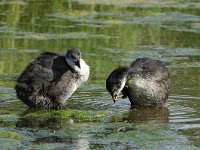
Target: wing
(41,67)
(48,66)
(43,73)
(148,66)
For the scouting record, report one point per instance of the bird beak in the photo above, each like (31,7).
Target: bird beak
(77,63)
(114,97)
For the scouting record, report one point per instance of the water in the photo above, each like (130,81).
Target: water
(109,34)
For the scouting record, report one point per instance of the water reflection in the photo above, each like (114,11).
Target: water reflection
(55,139)
(140,114)
(38,122)
(109,34)
(64,142)
(42,123)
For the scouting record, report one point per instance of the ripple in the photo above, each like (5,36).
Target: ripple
(184,119)
(7,95)
(183,115)
(51,36)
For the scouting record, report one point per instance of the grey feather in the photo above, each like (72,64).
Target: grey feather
(48,82)
(147,82)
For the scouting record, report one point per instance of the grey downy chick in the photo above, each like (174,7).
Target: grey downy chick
(146,82)
(49,80)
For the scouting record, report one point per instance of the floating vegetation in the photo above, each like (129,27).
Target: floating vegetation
(74,13)
(49,36)
(9,118)
(11,135)
(109,33)
(113,21)
(143,3)
(13,3)
(78,115)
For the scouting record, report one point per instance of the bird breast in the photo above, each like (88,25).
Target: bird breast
(84,71)
(143,86)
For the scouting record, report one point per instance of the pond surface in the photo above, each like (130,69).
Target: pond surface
(109,34)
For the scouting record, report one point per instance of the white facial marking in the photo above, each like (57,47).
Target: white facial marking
(122,86)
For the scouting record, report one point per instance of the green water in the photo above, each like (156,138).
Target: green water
(109,34)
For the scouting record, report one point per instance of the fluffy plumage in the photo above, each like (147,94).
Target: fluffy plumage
(146,82)
(49,80)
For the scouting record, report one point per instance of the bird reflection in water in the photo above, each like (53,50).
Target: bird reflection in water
(140,114)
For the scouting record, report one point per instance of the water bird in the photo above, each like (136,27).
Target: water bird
(49,80)
(145,82)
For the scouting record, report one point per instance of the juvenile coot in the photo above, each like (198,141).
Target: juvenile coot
(49,80)
(145,82)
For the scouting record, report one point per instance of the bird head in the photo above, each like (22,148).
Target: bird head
(116,82)
(73,57)
(115,89)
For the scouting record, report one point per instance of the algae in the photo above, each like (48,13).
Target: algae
(78,115)
(11,135)
(109,34)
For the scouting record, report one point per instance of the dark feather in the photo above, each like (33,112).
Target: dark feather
(45,81)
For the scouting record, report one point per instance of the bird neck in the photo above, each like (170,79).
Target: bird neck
(84,70)
(123,83)
(129,75)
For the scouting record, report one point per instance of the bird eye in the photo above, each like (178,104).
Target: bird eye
(73,57)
